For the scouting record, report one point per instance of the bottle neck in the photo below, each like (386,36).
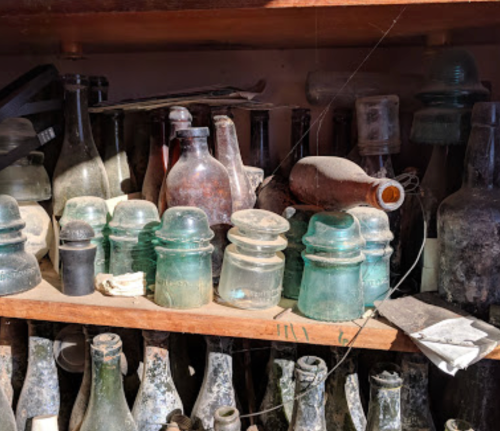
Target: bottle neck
(300,135)
(342,125)
(378,165)
(107,386)
(384,410)
(76,116)
(115,143)
(259,142)
(194,147)
(177,125)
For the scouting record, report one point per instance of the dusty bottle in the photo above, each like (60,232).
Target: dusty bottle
(384,410)
(280,387)
(157,397)
(309,410)
(227,419)
(158,157)
(344,411)
(415,410)
(115,157)
(40,393)
(473,251)
(7,418)
(457,425)
(227,151)
(337,183)
(79,170)
(98,93)
(299,139)
(260,155)
(45,423)
(217,389)
(107,409)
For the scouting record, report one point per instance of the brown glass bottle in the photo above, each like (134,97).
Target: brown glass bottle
(260,155)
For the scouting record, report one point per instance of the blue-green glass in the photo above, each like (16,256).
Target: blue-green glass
(94,211)
(331,288)
(375,270)
(184,270)
(131,238)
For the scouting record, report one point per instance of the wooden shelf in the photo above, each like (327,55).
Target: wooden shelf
(46,302)
(130,25)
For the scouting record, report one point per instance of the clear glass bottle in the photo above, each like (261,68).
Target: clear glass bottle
(457,425)
(227,419)
(260,155)
(337,183)
(157,397)
(217,389)
(184,269)
(79,170)
(93,211)
(252,271)
(384,410)
(131,239)
(280,388)
(40,393)
(115,157)
(309,409)
(227,151)
(375,270)
(107,409)
(299,139)
(342,132)
(331,288)
(452,87)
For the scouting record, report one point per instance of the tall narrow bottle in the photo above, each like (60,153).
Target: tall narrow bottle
(108,409)
(299,139)
(157,397)
(260,155)
(7,419)
(98,93)
(217,389)
(384,410)
(341,140)
(79,170)
(309,409)
(40,393)
(115,157)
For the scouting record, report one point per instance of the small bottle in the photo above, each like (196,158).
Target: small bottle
(309,409)
(44,423)
(77,258)
(115,157)
(217,389)
(280,390)
(227,419)
(157,397)
(107,409)
(227,151)
(184,269)
(298,216)
(337,183)
(342,125)
(93,211)
(299,139)
(252,272)
(331,288)
(79,170)
(7,418)
(40,393)
(375,270)
(457,425)
(384,410)
(260,155)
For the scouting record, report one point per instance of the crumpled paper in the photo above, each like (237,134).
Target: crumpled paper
(132,284)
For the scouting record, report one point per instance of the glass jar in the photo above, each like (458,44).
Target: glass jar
(93,211)
(253,266)
(184,270)
(131,239)
(331,288)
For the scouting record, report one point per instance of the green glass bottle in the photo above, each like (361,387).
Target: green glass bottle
(331,288)
(108,409)
(184,270)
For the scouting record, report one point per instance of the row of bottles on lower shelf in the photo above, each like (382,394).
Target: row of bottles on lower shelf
(300,394)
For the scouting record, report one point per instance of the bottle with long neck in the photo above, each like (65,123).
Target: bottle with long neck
(157,397)
(309,409)
(260,155)
(98,93)
(217,389)
(7,418)
(341,140)
(40,393)
(108,409)
(115,157)
(79,170)
(299,139)
(336,183)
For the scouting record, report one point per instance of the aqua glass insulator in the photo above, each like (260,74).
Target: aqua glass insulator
(375,270)
(19,269)
(132,231)
(94,211)
(331,288)
(252,271)
(184,267)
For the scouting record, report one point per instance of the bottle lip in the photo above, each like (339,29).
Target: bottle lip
(193,132)
(386,376)
(226,414)
(107,345)
(390,195)
(223,120)
(75,79)
(179,113)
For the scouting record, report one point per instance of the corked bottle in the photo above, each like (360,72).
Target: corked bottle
(98,93)
(309,409)
(108,409)
(337,183)
(157,397)
(217,389)
(227,151)
(40,393)
(227,419)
